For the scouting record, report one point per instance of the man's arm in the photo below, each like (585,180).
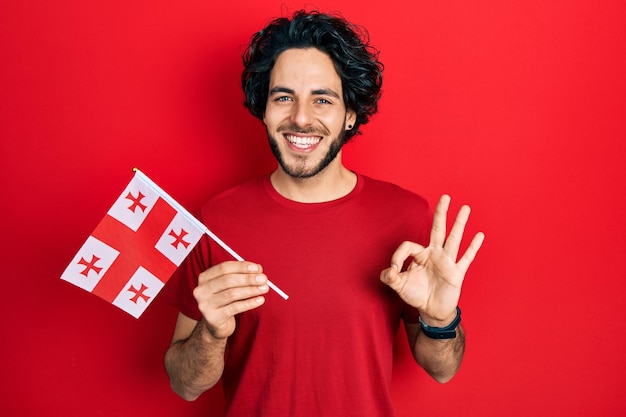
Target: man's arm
(195,359)
(432,284)
(441,359)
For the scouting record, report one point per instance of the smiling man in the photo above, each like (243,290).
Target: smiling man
(306,120)
(357,256)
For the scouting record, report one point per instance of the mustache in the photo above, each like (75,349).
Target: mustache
(316,130)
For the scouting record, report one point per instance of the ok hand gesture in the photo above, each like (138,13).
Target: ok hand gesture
(432,281)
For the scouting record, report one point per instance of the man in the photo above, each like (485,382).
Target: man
(327,237)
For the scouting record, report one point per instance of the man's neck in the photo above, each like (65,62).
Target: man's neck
(334,182)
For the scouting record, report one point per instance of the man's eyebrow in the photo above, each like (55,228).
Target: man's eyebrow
(319,92)
(325,92)
(276,90)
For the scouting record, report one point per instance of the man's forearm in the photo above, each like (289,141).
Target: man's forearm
(195,364)
(441,359)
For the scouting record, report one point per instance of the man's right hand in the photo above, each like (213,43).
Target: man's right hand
(226,290)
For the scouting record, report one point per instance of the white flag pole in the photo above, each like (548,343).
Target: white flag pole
(199,224)
(239,258)
(169,199)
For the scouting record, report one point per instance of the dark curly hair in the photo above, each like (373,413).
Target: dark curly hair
(347,45)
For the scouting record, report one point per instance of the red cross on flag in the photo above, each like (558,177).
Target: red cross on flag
(136,247)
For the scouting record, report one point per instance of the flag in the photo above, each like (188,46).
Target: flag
(135,248)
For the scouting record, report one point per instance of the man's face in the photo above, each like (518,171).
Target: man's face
(305,115)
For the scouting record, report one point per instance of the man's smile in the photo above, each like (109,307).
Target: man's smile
(302,142)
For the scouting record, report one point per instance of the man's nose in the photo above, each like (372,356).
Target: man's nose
(302,114)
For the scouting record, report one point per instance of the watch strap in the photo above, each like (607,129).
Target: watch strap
(448,332)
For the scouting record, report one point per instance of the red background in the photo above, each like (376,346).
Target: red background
(516,108)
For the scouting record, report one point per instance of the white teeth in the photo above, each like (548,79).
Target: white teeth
(302,142)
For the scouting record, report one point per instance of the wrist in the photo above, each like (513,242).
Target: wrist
(433,321)
(446,331)
(208,334)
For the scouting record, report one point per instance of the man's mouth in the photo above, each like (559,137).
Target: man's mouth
(303,142)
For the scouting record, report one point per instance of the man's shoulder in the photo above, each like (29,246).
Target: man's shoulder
(252,185)
(393,192)
(249,190)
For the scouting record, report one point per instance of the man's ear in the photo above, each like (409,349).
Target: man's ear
(350,119)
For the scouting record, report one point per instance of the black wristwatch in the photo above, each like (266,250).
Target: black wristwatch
(448,332)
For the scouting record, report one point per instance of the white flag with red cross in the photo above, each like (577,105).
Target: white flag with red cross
(137,246)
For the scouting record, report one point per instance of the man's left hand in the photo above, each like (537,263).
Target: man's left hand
(432,281)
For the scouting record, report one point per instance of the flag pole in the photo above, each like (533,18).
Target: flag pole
(199,224)
(239,258)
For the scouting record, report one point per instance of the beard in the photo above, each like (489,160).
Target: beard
(300,169)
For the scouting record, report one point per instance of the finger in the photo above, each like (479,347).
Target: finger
(219,321)
(228,282)
(470,253)
(232,267)
(236,290)
(391,277)
(438,231)
(244,305)
(229,268)
(229,286)
(453,242)
(405,251)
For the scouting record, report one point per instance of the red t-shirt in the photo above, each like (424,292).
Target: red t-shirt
(328,349)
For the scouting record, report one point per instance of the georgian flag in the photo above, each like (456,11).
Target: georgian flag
(136,247)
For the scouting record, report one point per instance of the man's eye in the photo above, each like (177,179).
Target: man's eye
(283,98)
(323,101)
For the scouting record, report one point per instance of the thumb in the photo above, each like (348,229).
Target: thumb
(391,277)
